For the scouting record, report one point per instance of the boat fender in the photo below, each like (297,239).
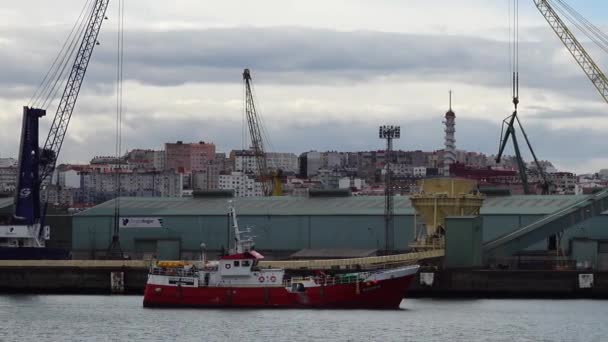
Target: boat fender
(261,279)
(227,266)
(273,279)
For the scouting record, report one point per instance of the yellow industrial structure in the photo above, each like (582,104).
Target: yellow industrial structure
(439,198)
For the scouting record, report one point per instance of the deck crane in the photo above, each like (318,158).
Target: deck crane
(255,132)
(576,49)
(36,165)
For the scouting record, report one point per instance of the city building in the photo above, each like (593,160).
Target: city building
(8,175)
(159,160)
(419,171)
(97,186)
(58,196)
(244,161)
(310,163)
(208,179)
(564,183)
(243,184)
(351,183)
(185,158)
(287,162)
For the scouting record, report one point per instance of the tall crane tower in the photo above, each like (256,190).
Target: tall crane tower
(35,165)
(576,49)
(255,132)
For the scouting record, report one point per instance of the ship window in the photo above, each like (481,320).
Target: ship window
(245,263)
(236,263)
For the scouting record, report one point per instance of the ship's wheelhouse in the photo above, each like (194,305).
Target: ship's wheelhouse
(241,264)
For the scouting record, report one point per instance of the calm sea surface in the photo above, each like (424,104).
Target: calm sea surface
(122,318)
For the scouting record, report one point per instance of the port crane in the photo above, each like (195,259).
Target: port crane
(549,10)
(257,141)
(510,123)
(36,165)
(572,44)
(576,49)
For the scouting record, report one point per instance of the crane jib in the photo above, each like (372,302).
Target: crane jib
(35,165)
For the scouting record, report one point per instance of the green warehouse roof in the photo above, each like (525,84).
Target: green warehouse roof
(355,205)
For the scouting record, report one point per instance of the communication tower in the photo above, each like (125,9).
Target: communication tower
(389,133)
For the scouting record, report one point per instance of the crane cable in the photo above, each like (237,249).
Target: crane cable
(515,51)
(47,90)
(265,136)
(119,109)
(513,23)
(595,34)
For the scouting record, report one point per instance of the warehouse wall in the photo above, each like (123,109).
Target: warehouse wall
(92,235)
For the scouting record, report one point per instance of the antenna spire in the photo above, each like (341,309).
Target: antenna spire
(450,99)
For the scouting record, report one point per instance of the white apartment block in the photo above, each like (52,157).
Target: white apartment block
(287,162)
(8,178)
(67,178)
(159,160)
(245,161)
(57,195)
(331,160)
(419,171)
(103,185)
(348,183)
(243,185)
(313,163)
(402,170)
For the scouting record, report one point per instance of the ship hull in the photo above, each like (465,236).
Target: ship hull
(381,294)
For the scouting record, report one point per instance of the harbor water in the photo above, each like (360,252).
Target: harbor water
(122,318)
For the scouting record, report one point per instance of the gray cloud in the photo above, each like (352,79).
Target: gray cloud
(298,55)
(283,56)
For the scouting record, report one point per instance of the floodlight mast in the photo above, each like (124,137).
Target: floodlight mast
(388,132)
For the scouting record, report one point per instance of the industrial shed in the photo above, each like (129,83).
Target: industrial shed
(283,225)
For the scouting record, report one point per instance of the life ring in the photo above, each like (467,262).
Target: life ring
(261,279)
(273,279)
(227,266)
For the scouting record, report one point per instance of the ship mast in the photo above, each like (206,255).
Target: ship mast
(242,243)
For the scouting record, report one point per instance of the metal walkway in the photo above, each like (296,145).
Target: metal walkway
(326,264)
(554,223)
(353,263)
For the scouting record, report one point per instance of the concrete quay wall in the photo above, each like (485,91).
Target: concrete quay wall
(72,277)
(106,277)
(467,283)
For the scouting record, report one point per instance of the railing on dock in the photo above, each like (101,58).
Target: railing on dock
(178,272)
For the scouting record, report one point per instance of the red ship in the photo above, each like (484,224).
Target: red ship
(236,280)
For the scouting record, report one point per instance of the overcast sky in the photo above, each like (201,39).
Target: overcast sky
(326,74)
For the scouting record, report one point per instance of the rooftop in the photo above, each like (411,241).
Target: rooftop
(356,205)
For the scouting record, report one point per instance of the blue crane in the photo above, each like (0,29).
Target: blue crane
(35,164)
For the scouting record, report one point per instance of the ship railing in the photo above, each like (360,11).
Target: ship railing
(341,279)
(178,272)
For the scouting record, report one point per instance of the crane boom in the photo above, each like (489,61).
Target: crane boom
(593,72)
(59,127)
(36,165)
(253,121)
